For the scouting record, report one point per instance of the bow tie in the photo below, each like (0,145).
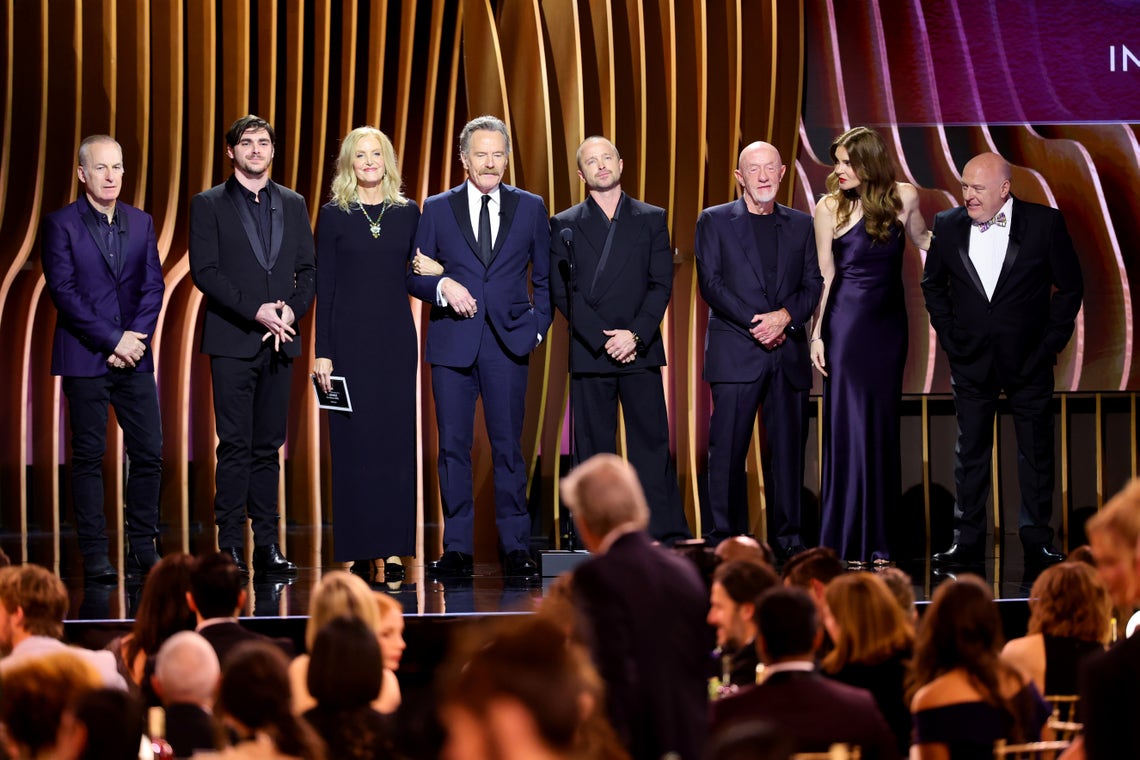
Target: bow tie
(999,220)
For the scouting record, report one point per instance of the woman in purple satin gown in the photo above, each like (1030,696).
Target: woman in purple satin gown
(859,340)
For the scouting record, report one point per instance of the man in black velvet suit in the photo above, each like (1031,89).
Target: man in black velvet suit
(759,273)
(622,284)
(627,597)
(812,709)
(252,255)
(1003,287)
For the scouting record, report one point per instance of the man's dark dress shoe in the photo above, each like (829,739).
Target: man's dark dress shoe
(393,571)
(268,560)
(98,569)
(518,564)
(959,554)
(1042,555)
(451,565)
(236,555)
(141,561)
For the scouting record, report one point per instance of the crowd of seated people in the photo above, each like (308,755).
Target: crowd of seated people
(746,662)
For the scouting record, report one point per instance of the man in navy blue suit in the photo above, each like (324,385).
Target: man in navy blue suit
(486,235)
(101,265)
(759,274)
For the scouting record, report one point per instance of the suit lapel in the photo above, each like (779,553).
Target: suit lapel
(747,238)
(276,224)
(781,260)
(458,201)
(87,215)
(508,204)
(241,208)
(1018,226)
(962,231)
(629,224)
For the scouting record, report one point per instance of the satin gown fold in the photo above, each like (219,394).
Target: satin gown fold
(865,340)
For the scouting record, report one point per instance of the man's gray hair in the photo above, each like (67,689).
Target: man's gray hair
(488,123)
(187,669)
(85,146)
(604,493)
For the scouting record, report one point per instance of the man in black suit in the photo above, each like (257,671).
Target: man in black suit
(622,280)
(1003,287)
(251,253)
(759,273)
(186,677)
(814,710)
(216,596)
(626,596)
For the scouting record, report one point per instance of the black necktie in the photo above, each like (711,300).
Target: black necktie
(485,231)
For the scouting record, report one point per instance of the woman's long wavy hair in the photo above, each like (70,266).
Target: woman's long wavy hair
(343,191)
(876,190)
(872,626)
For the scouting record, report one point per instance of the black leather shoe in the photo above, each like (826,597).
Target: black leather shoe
(518,564)
(142,560)
(394,571)
(363,568)
(268,560)
(959,554)
(451,565)
(1042,555)
(98,569)
(237,556)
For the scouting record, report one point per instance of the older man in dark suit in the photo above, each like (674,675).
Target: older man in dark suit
(621,286)
(251,253)
(102,271)
(1003,287)
(491,240)
(642,612)
(759,273)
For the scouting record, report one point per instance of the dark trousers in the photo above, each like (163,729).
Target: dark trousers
(647,438)
(135,398)
(784,410)
(975,405)
(251,405)
(499,377)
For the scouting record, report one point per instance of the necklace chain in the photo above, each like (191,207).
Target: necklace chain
(374,224)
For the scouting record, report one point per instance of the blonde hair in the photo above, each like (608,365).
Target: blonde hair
(340,593)
(1120,517)
(343,191)
(604,493)
(386,605)
(872,626)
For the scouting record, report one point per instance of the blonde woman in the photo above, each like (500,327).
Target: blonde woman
(365,333)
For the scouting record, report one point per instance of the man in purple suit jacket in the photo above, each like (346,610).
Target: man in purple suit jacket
(484,324)
(102,270)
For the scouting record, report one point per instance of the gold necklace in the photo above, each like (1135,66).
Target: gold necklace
(374,225)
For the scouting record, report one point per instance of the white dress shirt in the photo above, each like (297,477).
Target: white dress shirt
(474,208)
(987,249)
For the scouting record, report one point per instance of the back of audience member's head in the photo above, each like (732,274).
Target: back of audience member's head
(750,740)
(1069,599)
(35,692)
(604,493)
(864,621)
(103,724)
(216,585)
(1083,553)
(1113,533)
(163,610)
(255,696)
(744,581)
(340,593)
(187,671)
(522,663)
(819,564)
(345,667)
(746,549)
(787,622)
(39,593)
(902,588)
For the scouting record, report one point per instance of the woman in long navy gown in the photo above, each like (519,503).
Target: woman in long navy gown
(859,344)
(365,238)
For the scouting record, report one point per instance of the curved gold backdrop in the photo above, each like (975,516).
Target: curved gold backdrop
(680,85)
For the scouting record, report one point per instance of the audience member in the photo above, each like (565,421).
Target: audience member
(1110,700)
(902,587)
(642,611)
(1083,553)
(966,696)
(255,703)
(33,602)
(35,692)
(747,549)
(873,644)
(815,711)
(103,724)
(217,595)
(750,740)
(392,646)
(524,691)
(186,679)
(344,678)
(732,610)
(812,570)
(162,612)
(1069,617)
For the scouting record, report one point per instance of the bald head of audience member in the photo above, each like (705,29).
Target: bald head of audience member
(186,671)
(745,549)
(605,497)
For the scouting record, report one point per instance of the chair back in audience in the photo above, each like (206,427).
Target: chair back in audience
(1030,751)
(1064,706)
(836,752)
